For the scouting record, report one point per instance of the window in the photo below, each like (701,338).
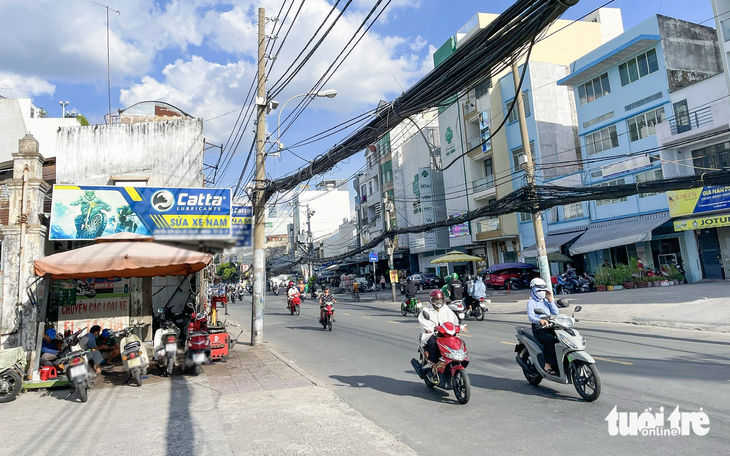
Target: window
(611,183)
(386,171)
(644,125)
(554,215)
(513,115)
(603,139)
(489,170)
(483,87)
(573,211)
(370,187)
(362,190)
(638,67)
(594,89)
(272,211)
(647,176)
(681,116)
(525,217)
(516,156)
(711,157)
(597,174)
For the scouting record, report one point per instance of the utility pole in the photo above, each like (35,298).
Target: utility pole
(296,230)
(310,246)
(389,207)
(259,230)
(542,260)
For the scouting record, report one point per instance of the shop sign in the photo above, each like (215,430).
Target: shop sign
(626,166)
(241,225)
(698,200)
(702,223)
(462,229)
(85,212)
(89,302)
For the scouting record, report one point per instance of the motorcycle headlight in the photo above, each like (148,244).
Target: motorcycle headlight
(567,342)
(457,355)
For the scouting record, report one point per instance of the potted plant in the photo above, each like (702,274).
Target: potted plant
(603,278)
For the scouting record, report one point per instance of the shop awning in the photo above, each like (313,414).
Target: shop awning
(553,242)
(455,257)
(614,233)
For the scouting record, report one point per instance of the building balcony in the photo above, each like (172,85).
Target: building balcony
(489,229)
(697,123)
(470,110)
(483,188)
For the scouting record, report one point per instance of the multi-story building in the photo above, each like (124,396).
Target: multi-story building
(624,91)
(478,171)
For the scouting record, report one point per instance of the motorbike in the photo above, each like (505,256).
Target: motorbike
(134,355)
(562,288)
(79,373)
(518,283)
(197,349)
(294,304)
(412,305)
(452,364)
(83,289)
(12,365)
(458,308)
(575,365)
(165,344)
(328,317)
(479,310)
(276,291)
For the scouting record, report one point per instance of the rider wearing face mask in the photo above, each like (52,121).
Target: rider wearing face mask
(541,298)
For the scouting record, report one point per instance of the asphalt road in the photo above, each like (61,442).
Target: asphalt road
(366,360)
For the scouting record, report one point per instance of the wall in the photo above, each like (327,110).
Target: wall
(170,153)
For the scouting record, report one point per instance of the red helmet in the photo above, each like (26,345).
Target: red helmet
(447,328)
(437,298)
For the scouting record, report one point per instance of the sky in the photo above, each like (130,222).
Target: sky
(200,55)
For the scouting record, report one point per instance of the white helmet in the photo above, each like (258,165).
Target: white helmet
(538,283)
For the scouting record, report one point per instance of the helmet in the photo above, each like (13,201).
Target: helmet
(538,283)
(291,284)
(89,193)
(106,333)
(408,280)
(447,278)
(447,328)
(454,276)
(437,298)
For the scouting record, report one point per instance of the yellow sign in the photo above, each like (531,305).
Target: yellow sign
(393,276)
(683,202)
(698,200)
(702,223)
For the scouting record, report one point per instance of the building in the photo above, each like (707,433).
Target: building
(624,91)
(478,171)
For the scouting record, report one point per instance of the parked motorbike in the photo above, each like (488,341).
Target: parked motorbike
(452,364)
(458,308)
(197,349)
(518,283)
(79,373)
(412,305)
(165,344)
(575,365)
(328,317)
(134,355)
(12,365)
(562,288)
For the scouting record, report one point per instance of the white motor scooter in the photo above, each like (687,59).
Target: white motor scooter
(458,308)
(134,355)
(165,344)
(574,364)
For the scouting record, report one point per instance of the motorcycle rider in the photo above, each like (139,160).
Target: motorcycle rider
(477,290)
(456,289)
(541,298)
(87,202)
(291,292)
(410,291)
(325,299)
(429,318)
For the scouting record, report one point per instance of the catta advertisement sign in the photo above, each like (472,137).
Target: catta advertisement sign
(87,212)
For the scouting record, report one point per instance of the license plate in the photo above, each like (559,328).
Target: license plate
(77,372)
(136,362)
(198,358)
(171,348)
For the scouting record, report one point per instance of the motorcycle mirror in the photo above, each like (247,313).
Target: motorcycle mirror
(160,310)
(577,308)
(539,312)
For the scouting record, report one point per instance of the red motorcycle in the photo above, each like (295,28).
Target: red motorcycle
(452,363)
(197,348)
(328,317)
(294,304)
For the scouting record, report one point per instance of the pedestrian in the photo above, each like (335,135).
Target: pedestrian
(382,282)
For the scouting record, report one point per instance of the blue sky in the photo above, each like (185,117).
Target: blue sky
(199,55)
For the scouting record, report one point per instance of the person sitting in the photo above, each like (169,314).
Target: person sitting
(410,290)
(541,298)
(456,289)
(108,347)
(356,290)
(88,342)
(325,299)
(429,318)
(50,348)
(477,291)
(291,292)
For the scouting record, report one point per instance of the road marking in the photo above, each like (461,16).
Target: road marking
(394,322)
(345,313)
(367,318)
(613,361)
(507,343)
(466,335)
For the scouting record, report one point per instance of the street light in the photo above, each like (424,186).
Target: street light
(63,108)
(329,93)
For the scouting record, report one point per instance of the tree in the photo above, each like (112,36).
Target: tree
(228,272)
(82,120)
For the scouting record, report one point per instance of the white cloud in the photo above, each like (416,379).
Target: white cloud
(24,86)
(418,43)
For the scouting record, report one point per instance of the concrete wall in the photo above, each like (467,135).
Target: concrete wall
(169,153)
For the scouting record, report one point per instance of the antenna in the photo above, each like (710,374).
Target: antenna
(108,72)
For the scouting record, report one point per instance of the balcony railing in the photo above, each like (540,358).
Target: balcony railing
(482,184)
(690,121)
(488,225)
(473,143)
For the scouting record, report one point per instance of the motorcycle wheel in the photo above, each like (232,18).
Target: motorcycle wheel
(137,375)
(462,386)
(170,365)
(533,378)
(428,383)
(404,309)
(83,393)
(291,309)
(586,380)
(329,322)
(197,370)
(96,226)
(563,291)
(296,310)
(479,313)
(12,385)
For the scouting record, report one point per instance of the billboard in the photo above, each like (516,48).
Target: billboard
(698,200)
(241,225)
(701,223)
(462,229)
(84,303)
(87,212)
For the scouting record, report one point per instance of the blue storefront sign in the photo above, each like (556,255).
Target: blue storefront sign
(241,225)
(87,212)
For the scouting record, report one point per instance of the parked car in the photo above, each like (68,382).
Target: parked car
(425,281)
(499,279)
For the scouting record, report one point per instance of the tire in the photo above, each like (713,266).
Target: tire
(296,309)
(420,287)
(83,393)
(329,322)
(533,379)
(170,366)
(404,309)
(428,383)
(197,370)
(563,291)
(137,375)
(462,386)
(586,380)
(15,384)
(95,227)
(479,313)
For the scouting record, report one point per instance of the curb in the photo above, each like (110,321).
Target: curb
(291,364)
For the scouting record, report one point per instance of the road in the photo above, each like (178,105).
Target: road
(366,360)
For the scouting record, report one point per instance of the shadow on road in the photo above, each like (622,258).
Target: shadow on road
(520,387)
(180,432)
(392,386)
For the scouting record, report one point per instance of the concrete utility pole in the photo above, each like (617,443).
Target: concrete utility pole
(542,260)
(310,245)
(389,206)
(259,230)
